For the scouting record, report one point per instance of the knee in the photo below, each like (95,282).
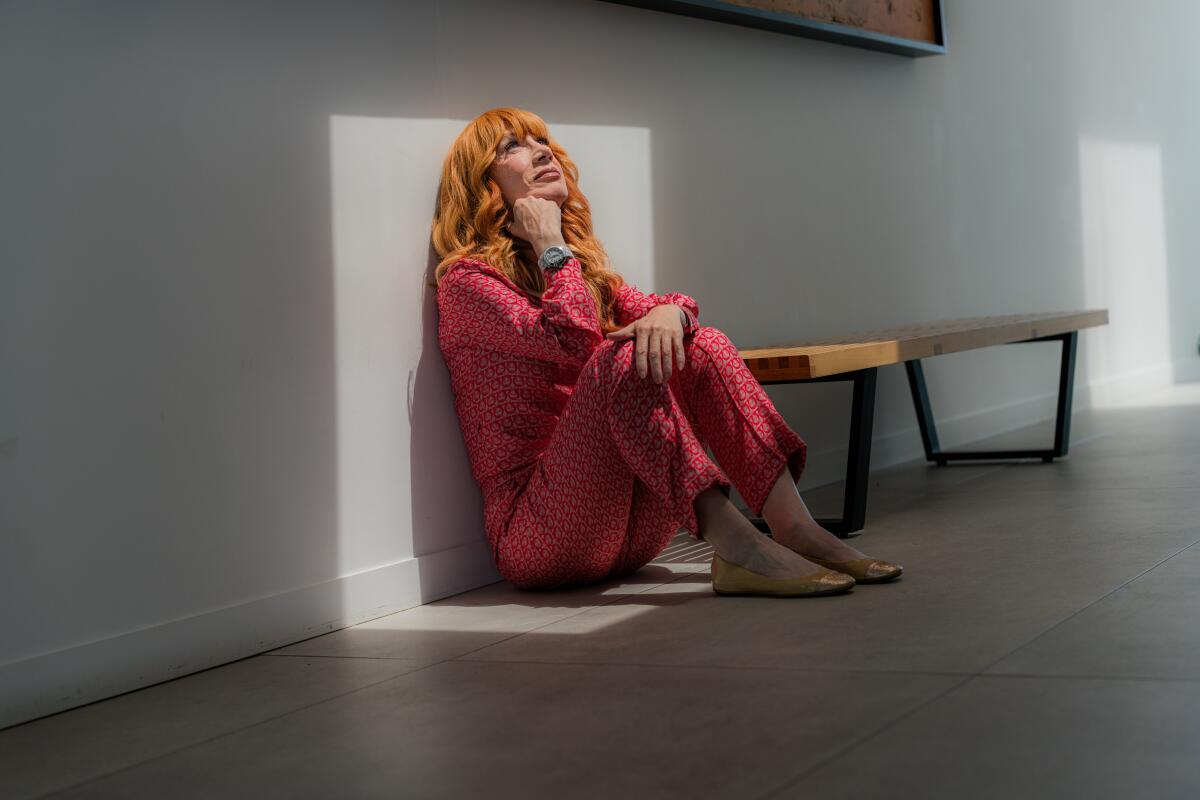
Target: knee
(713,342)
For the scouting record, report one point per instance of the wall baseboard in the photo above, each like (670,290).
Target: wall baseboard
(74,676)
(1187,371)
(1135,383)
(888,450)
(53,682)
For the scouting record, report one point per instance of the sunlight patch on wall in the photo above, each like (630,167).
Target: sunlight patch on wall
(404,484)
(1125,262)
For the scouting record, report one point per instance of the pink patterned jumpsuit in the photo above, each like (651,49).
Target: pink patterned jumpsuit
(587,469)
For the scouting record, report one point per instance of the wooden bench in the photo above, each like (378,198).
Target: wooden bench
(857,358)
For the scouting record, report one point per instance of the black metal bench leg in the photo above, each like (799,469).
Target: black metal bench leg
(1062,426)
(920,398)
(858,461)
(1066,395)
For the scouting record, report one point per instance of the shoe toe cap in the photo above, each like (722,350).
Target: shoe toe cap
(878,570)
(835,580)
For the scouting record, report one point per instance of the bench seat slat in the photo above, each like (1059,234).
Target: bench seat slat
(833,356)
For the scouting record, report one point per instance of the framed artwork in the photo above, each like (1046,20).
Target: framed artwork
(905,27)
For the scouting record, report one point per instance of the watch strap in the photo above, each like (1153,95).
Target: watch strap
(559,255)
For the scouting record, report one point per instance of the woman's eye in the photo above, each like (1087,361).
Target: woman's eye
(504,148)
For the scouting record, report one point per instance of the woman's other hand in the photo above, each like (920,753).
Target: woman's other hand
(537,221)
(659,341)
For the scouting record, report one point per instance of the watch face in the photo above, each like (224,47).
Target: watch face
(554,257)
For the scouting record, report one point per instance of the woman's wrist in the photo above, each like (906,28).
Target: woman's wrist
(685,316)
(541,245)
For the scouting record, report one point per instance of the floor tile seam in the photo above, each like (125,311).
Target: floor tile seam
(996,465)
(989,468)
(241,729)
(134,690)
(314,704)
(967,680)
(728,667)
(999,468)
(1079,611)
(1081,489)
(972,487)
(943,493)
(849,747)
(1097,677)
(323,655)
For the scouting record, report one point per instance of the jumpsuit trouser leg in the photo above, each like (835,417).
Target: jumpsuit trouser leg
(627,459)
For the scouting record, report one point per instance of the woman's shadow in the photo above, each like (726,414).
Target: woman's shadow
(447,509)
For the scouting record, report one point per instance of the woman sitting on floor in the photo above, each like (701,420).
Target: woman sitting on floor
(586,405)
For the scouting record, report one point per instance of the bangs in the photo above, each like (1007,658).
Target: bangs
(494,124)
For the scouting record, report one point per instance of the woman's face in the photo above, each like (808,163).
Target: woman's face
(528,169)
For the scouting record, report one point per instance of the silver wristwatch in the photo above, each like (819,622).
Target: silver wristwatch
(554,257)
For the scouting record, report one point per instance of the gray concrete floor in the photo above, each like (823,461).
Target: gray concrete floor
(1043,642)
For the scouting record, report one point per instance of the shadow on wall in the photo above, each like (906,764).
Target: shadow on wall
(447,508)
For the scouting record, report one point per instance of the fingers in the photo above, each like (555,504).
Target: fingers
(657,358)
(520,224)
(535,218)
(658,354)
(643,342)
(513,229)
(622,334)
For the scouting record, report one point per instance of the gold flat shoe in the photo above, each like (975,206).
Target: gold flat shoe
(863,570)
(730,578)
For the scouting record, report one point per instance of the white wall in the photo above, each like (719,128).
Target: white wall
(224,421)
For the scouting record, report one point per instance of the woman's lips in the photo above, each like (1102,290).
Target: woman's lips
(550,173)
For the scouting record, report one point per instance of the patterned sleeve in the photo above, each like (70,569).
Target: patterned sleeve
(478,308)
(632,304)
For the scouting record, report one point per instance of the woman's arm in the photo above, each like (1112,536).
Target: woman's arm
(477,307)
(631,304)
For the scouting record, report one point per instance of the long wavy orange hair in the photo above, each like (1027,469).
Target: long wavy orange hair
(471,218)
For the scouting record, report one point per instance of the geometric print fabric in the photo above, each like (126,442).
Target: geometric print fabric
(588,470)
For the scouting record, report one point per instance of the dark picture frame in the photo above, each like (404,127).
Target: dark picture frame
(798,25)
